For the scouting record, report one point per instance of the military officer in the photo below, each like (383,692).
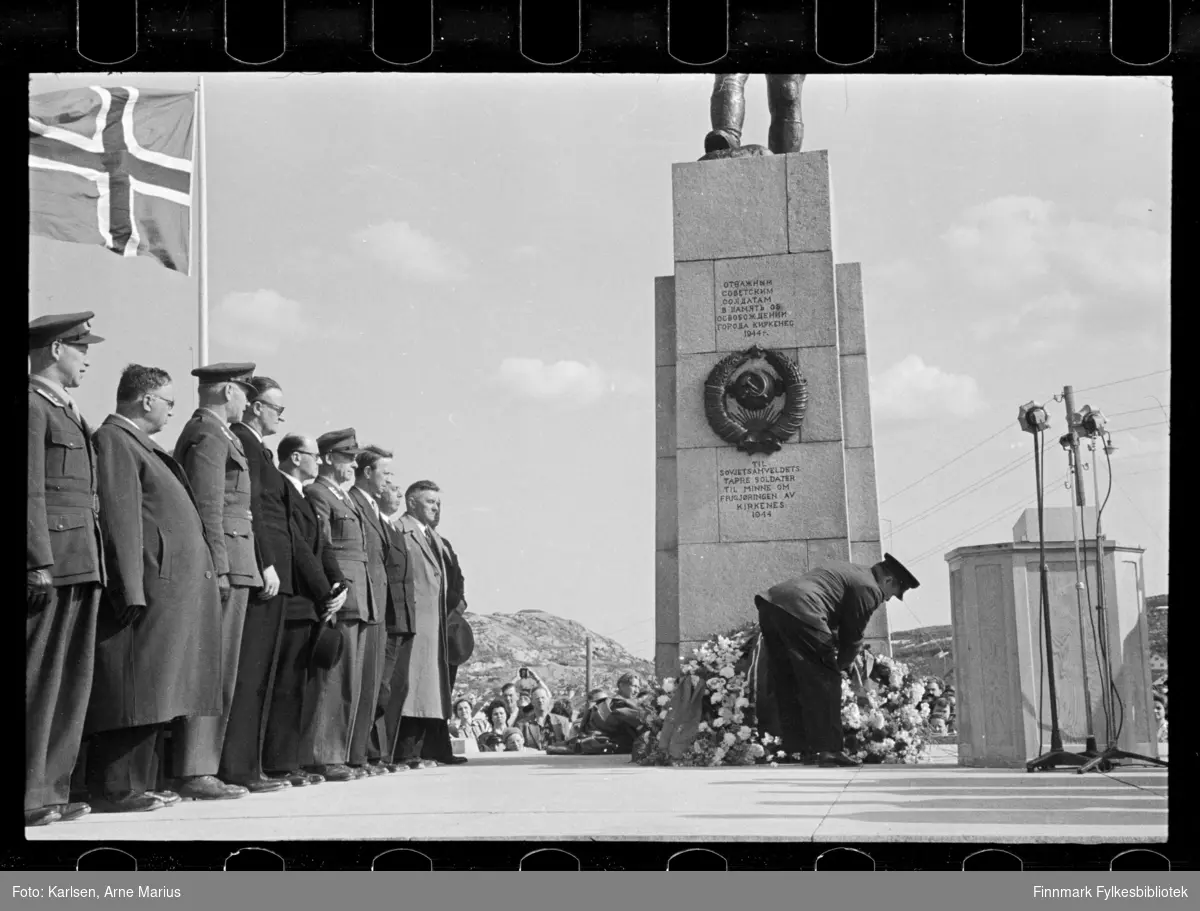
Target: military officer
(214,461)
(330,732)
(64,567)
(813,628)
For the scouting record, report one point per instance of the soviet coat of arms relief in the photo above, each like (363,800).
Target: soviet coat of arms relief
(755,399)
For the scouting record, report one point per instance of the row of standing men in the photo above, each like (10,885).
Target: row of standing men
(213,622)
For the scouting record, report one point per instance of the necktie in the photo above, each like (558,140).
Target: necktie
(268,454)
(429,538)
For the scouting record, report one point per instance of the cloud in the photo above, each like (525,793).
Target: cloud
(414,255)
(913,389)
(569,382)
(258,321)
(526,251)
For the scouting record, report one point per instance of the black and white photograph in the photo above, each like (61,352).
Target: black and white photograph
(549,457)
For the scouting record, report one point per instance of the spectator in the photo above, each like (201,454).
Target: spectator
(629,686)
(563,707)
(599,694)
(511,702)
(526,681)
(523,702)
(541,727)
(501,737)
(465,724)
(1160,716)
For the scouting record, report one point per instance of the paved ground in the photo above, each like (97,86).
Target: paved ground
(537,797)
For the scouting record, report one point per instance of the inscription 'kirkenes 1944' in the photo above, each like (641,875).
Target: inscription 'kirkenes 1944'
(759,490)
(748,306)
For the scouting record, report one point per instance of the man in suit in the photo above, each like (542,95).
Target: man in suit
(398,624)
(437,746)
(158,649)
(262,633)
(372,476)
(339,687)
(64,569)
(422,667)
(315,572)
(812,627)
(215,464)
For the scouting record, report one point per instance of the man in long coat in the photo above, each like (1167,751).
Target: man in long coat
(315,571)
(262,634)
(158,649)
(372,476)
(64,568)
(339,687)
(813,628)
(213,459)
(398,622)
(437,746)
(423,665)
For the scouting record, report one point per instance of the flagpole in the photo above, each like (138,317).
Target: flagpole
(201,228)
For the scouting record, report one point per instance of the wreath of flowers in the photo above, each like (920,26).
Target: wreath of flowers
(884,722)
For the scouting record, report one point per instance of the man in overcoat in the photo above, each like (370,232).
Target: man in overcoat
(437,746)
(813,628)
(158,648)
(64,569)
(262,634)
(339,687)
(372,476)
(215,463)
(315,572)
(397,622)
(421,687)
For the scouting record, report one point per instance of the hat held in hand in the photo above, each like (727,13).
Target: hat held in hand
(460,640)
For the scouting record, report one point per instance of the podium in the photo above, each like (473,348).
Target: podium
(998,637)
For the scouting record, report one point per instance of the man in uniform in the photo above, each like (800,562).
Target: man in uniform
(728,112)
(215,463)
(159,630)
(262,636)
(813,627)
(332,721)
(315,572)
(372,476)
(398,623)
(64,569)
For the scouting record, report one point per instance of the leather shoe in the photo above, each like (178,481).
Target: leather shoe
(358,771)
(133,803)
(451,760)
(208,787)
(169,798)
(332,772)
(42,816)
(261,785)
(394,767)
(422,764)
(837,760)
(71,811)
(296,779)
(375,769)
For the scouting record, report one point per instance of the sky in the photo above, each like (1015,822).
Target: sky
(461,267)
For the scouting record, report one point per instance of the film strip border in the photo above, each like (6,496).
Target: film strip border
(509,856)
(1120,36)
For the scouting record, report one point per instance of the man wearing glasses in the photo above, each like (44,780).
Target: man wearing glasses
(158,640)
(63,566)
(294,696)
(215,463)
(262,634)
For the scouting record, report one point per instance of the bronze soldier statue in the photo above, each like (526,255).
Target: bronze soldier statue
(728,110)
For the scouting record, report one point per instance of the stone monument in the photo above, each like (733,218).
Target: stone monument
(765,461)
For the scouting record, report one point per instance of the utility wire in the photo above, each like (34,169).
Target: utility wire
(1128,379)
(923,477)
(958,495)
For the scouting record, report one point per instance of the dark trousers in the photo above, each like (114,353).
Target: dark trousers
(60,648)
(373,647)
(333,694)
(198,741)
(805,679)
(262,638)
(291,704)
(123,762)
(412,735)
(437,737)
(383,733)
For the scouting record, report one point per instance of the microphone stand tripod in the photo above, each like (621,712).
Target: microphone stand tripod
(1057,755)
(1105,760)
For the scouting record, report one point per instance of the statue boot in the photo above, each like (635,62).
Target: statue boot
(721,141)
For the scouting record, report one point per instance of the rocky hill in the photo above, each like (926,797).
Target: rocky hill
(552,646)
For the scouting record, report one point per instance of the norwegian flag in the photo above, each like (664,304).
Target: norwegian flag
(113,166)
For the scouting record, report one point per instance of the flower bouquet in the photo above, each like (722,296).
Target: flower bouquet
(706,716)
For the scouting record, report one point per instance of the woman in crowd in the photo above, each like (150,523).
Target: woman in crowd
(1160,716)
(500,738)
(464,724)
